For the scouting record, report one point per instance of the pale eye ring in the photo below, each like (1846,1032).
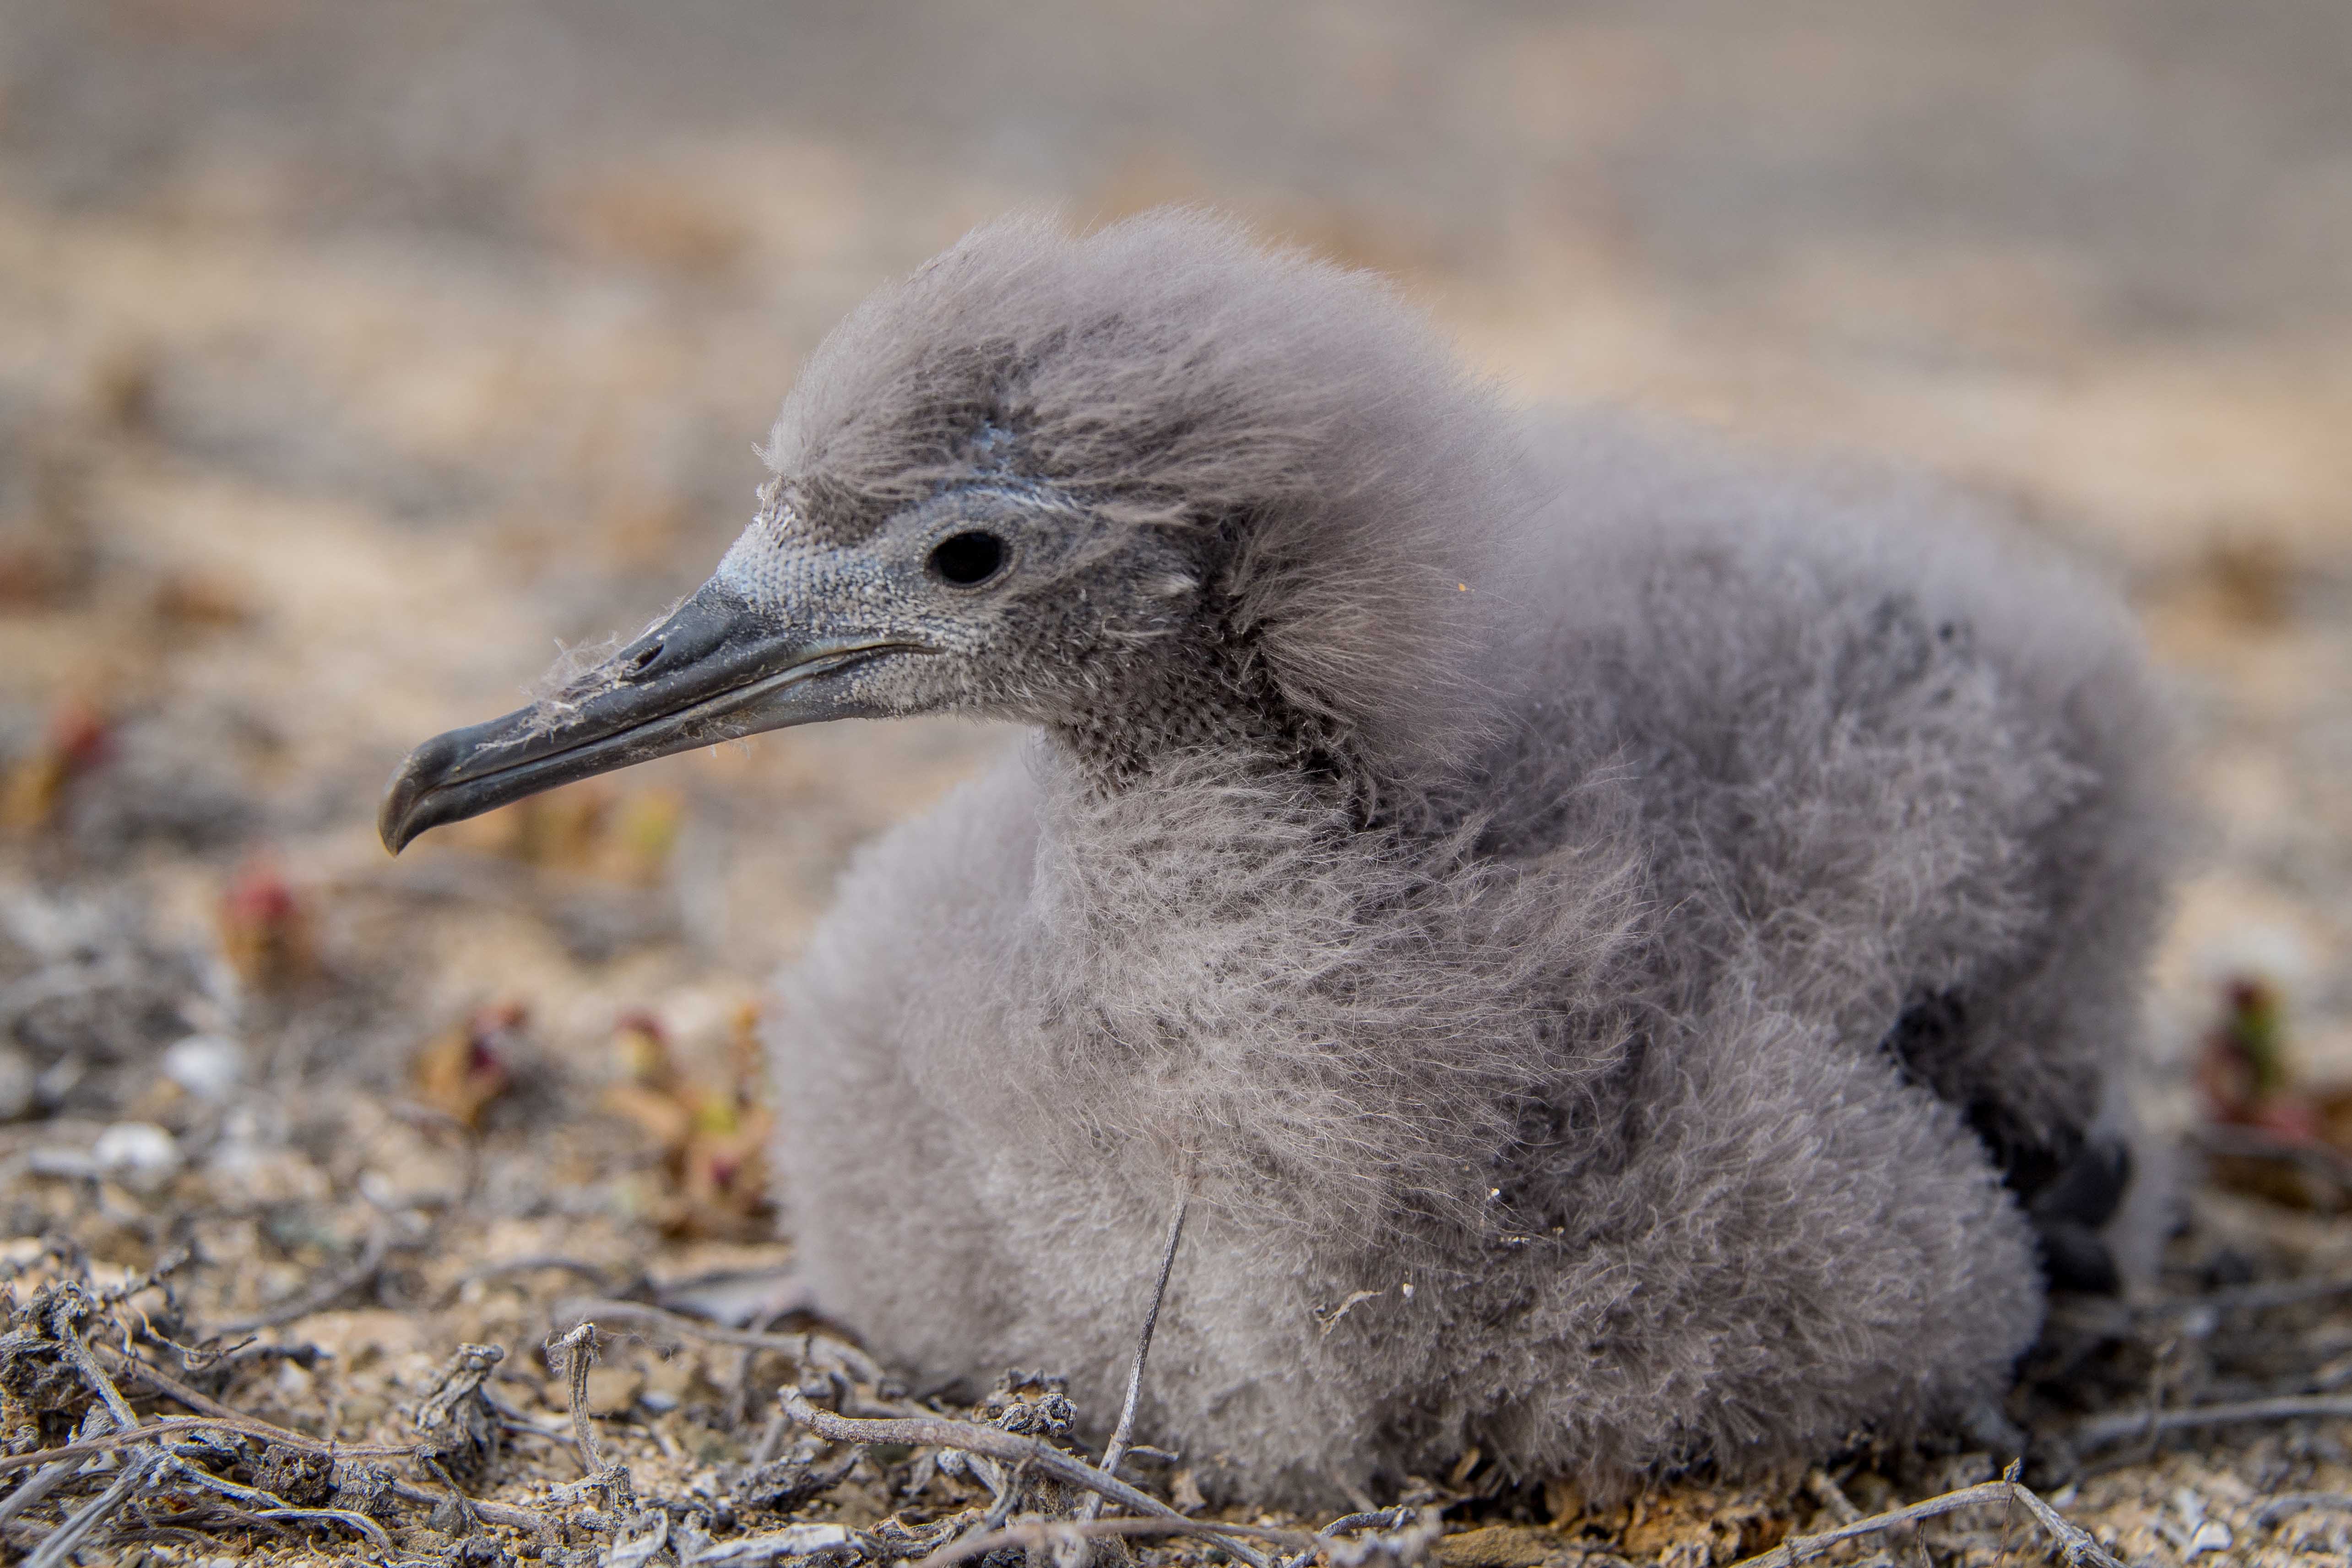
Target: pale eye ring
(967,560)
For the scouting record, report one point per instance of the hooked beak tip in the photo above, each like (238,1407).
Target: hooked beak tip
(393,824)
(408,797)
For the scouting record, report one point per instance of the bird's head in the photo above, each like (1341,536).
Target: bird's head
(1150,489)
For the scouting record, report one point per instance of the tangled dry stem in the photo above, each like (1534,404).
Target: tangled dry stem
(1115,1449)
(2114,1428)
(1057,1536)
(994,1443)
(328,1291)
(810,1349)
(2074,1543)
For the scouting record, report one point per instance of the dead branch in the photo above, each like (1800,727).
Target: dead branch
(747,1551)
(190,1520)
(802,1347)
(2280,1508)
(328,1291)
(2313,1159)
(36,1487)
(269,1505)
(1047,1534)
(2197,1316)
(1380,1518)
(608,1477)
(67,1456)
(994,1443)
(60,1546)
(57,1470)
(61,1325)
(580,1348)
(772,1437)
(220,1417)
(599,1278)
(1115,1449)
(173,1425)
(2250,1298)
(2102,1429)
(1008,1497)
(502,1513)
(230,1419)
(2074,1543)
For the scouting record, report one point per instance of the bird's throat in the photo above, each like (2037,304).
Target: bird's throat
(1148,708)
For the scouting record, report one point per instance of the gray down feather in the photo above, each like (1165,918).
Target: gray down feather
(1592,925)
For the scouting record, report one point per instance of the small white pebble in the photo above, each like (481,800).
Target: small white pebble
(377,1188)
(18,1083)
(209,1066)
(137,1154)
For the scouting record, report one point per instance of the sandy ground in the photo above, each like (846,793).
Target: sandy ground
(353,358)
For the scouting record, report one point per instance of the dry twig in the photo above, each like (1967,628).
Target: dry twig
(1047,1535)
(173,1425)
(2102,1429)
(1377,1518)
(2313,1159)
(2074,1543)
(766,1546)
(503,1512)
(1115,1449)
(60,1546)
(230,1419)
(579,1347)
(269,1505)
(803,1348)
(36,1488)
(72,1305)
(128,1430)
(2286,1506)
(995,1443)
(609,1476)
(328,1291)
(2250,1298)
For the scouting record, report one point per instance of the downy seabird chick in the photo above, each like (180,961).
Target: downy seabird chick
(1613,944)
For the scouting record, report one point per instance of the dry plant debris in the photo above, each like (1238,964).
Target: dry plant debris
(129,1423)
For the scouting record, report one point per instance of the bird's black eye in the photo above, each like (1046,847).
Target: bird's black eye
(968,559)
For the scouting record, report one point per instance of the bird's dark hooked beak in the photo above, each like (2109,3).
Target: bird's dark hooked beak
(717,670)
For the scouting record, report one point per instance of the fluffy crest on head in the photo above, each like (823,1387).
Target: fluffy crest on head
(1169,372)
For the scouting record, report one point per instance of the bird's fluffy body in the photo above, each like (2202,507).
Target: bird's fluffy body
(1592,925)
(1545,1092)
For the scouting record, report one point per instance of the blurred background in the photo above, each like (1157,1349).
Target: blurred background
(353,357)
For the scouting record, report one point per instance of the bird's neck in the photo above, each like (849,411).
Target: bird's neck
(1216,694)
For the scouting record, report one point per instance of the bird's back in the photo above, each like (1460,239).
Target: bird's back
(1894,762)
